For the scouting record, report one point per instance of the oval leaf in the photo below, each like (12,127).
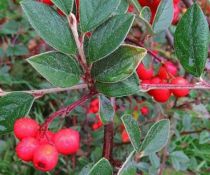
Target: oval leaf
(163,16)
(102,167)
(191,40)
(119,65)
(123,88)
(108,37)
(13,106)
(106,109)
(52,27)
(132,128)
(93,13)
(64,5)
(156,138)
(59,69)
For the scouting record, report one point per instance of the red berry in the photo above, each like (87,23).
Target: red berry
(162,73)
(171,68)
(144,73)
(45,157)
(46,137)
(130,8)
(67,141)
(26,148)
(180,92)
(176,15)
(144,110)
(25,127)
(160,95)
(125,137)
(48,2)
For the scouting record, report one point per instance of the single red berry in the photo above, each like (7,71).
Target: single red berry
(176,14)
(180,92)
(45,157)
(25,127)
(67,141)
(45,137)
(125,137)
(26,148)
(144,110)
(160,95)
(162,73)
(144,73)
(48,2)
(170,68)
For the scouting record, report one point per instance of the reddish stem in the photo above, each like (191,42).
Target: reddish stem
(66,110)
(108,140)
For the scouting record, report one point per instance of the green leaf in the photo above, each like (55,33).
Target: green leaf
(123,88)
(119,65)
(106,109)
(64,5)
(164,16)
(146,13)
(93,13)
(108,37)
(191,40)
(13,106)
(16,50)
(127,167)
(178,159)
(59,69)
(132,128)
(156,138)
(123,7)
(52,27)
(102,167)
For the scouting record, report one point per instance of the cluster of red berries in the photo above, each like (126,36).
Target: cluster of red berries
(94,109)
(153,5)
(167,74)
(50,3)
(43,148)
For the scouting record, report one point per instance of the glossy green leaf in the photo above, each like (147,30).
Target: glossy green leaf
(146,13)
(93,13)
(164,16)
(102,167)
(156,138)
(65,5)
(123,7)
(132,128)
(119,65)
(52,27)
(108,37)
(123,88)
(106,109)
(59,69)
(12,107)
(191,40)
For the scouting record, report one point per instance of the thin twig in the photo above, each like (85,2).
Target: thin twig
(65,110)
(41,92)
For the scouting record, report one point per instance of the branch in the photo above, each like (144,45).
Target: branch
(199,85)
(109,138)
(73,26)
(64,111)
(41,92)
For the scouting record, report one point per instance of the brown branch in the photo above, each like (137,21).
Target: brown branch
(170,38)
(108,140)
(164,158)
(195,132)
(41,92)
(65,110)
